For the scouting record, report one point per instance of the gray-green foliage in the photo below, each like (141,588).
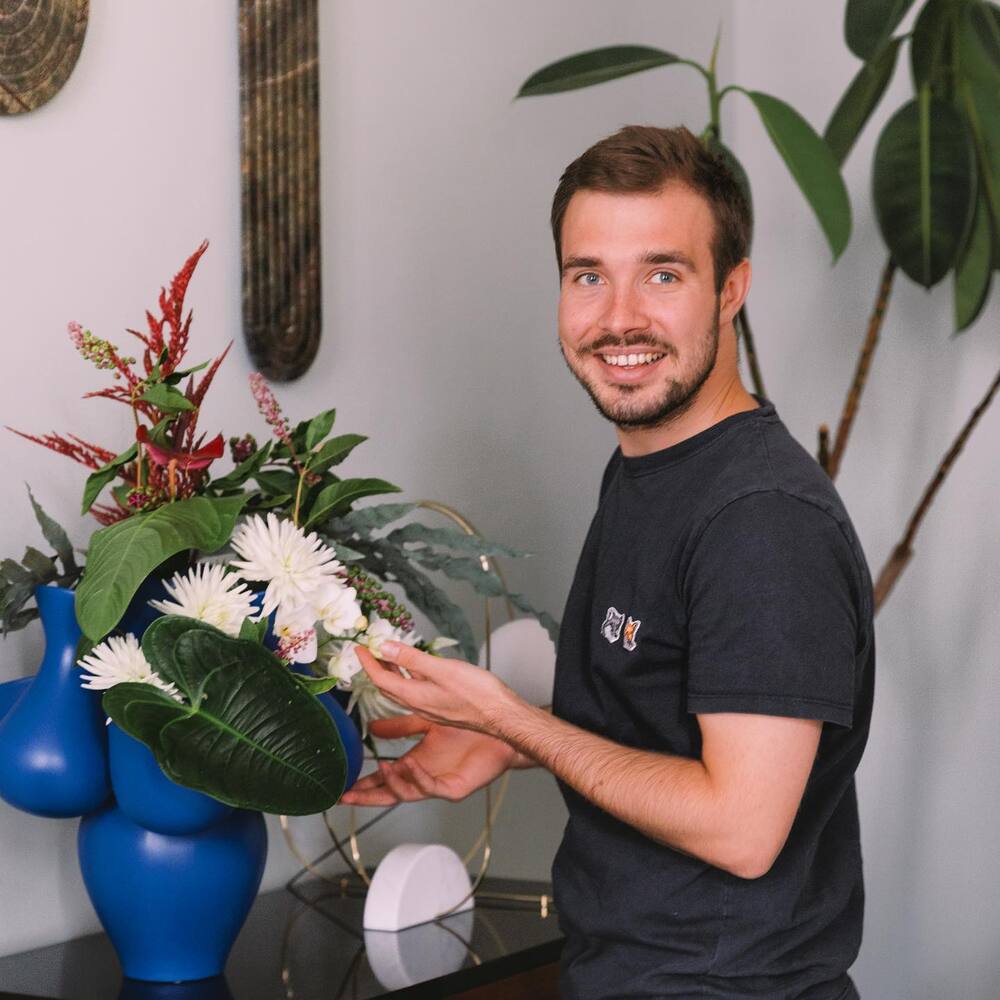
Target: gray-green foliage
(231,737)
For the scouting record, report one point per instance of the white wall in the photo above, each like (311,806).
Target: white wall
(928,784)
(439,296)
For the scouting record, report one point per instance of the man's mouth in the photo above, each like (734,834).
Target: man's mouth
(632,360)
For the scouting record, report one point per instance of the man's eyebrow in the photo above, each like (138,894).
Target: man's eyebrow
(571,262)
(669,257)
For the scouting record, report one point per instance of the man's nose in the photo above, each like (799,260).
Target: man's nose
(625,311)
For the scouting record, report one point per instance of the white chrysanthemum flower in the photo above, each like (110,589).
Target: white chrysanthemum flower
(294,565)
(120,660)
(337,607)
(210,594)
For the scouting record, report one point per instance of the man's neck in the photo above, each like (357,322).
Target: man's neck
(712,404)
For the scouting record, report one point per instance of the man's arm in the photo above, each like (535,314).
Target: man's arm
(732,808)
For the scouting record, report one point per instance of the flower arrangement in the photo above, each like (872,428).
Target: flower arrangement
(265,578)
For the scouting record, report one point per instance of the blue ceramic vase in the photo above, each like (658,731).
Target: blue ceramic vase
(53,744)
(172,905)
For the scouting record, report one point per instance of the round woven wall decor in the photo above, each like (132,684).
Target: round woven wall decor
(40,41)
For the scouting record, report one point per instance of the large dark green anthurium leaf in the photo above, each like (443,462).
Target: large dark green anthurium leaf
(924,187)
(860,100)
(250,735)
(868,24)
(931,40)
(121,556)
(974,269)
(595,66)
(811,163)
(730,159)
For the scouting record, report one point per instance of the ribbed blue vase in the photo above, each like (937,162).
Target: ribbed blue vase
(172,905)
(53,744)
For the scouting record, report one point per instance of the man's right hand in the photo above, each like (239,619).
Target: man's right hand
(447,763)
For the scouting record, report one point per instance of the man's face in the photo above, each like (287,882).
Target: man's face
(638,310)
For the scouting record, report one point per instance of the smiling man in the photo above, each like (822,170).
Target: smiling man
(715,670)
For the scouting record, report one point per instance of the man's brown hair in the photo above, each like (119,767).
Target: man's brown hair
(641,159)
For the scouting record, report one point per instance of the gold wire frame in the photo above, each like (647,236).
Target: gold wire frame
(354,861)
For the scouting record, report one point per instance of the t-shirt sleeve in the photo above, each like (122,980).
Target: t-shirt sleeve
(772,612)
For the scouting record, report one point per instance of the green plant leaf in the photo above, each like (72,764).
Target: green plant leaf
(244,471)
(860,100)
(123,555)
(337,499)
(868,24)
(372,518)
(315,685)
(594,66)
(973,272)
(167,398)
(335,451)
(251,736)
(451,538)
(178,376)
(924,187)
(254,631)
(979,42)
(931,41)
(55,535)
(811,163)
(318,428)
(277,482)
(96,481)
(42,568)
(980,102)
(16,573)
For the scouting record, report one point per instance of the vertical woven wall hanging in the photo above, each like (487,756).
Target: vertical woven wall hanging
(279,105)
(40,41)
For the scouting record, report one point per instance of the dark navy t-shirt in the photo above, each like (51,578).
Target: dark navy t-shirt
(719,575)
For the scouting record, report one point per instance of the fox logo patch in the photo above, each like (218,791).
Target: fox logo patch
(611,629)
(631,630)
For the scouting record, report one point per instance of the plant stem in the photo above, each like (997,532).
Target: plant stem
(298,495)
(861,371)
(903,552)
(743,320)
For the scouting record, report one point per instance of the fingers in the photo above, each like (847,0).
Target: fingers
(385,680)
(399,727)
(412,659)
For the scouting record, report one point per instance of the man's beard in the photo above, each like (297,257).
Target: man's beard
(678,394)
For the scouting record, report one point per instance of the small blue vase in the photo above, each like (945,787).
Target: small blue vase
(349,736)
(149,798)
(53,744)
(172,906)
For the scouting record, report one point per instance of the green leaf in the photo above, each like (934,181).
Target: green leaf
(318,428)
(979,42)
(337,499)
(344,552)
(372,518)
(167,398)
(244,471)
(860,100)
(40,565)
(930,42)
(96,481)
(253,631)
(16,573)
(55,535)
(123,555)
(251,736)
(450,538)
(335,451)
(277,482)
(178,376)
(595,66)
(980,104)
(974,270)
(545,619)
(315,685)
(811,163)
(868,24)
(924,187)
(736,168)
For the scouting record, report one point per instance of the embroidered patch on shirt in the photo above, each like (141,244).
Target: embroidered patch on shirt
(612,627)
(631,630)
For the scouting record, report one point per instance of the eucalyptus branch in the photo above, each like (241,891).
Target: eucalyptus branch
(903,552)
(832,465)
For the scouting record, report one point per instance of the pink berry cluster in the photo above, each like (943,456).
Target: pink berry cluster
(376,600)
(270,408)
(95,350)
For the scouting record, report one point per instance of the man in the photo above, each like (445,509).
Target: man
(714,678)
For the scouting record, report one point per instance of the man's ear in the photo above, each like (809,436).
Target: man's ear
(735,289)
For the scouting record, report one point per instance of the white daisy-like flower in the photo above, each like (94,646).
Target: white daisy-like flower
(344,664)
(294,565)
(210,594)
(337,607)
(118,660)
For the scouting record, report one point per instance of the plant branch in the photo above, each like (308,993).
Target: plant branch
(903,552)
(743,321)
(861,371)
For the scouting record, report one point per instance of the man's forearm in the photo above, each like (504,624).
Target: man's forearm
(670,799)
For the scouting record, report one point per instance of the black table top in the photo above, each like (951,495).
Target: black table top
(308,944)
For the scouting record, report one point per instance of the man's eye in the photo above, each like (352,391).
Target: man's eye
(588,278)
(664,278)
